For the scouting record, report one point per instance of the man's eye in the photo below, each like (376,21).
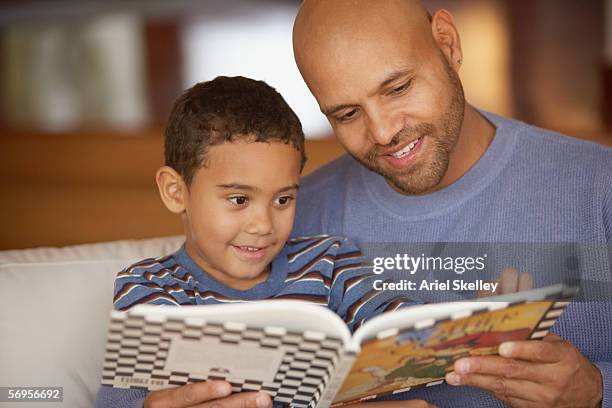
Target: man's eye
(284,200)
(401,88)
(348,116)
(238,200)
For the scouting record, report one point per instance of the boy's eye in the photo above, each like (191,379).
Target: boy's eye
(284,200)
(238,200)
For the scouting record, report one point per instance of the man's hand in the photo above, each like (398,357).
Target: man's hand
(205,394)
(547,373)
(510,281)
(394,404)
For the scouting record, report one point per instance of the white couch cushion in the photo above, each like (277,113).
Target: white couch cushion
(54,306)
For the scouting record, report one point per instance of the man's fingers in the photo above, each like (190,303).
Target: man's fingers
(548,351)
(509,281)
(394,404)
(240,400)
(188,395)
(503,388)
(525,281)
(552,337)
(498,366)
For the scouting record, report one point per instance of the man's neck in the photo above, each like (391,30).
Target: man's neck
(475,137)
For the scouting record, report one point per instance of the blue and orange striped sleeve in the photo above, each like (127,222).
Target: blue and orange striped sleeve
(352,293)
(147,281)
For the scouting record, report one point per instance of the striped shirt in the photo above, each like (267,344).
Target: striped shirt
(324,270)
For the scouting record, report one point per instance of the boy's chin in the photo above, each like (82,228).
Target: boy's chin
(247,279)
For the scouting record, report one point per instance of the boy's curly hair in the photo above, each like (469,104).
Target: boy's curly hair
(227,109)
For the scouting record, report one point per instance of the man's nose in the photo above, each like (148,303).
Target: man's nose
(260,221)
(382,126)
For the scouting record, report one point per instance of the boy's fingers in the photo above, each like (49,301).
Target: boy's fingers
(240,400)
(188,395)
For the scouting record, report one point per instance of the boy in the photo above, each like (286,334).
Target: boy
(234,151)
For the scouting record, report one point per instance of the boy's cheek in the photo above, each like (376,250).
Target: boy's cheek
(286,224)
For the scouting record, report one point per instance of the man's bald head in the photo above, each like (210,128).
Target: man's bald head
(324,26)
(385,74)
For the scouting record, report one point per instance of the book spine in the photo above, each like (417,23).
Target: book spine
(344,367)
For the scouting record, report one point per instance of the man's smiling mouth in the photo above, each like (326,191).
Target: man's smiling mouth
(405,150)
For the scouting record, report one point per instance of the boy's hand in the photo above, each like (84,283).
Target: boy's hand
(206,394)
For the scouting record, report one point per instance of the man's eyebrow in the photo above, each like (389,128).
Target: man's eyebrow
(336,108)
(392,77)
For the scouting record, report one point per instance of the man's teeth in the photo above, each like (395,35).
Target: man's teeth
(401,153)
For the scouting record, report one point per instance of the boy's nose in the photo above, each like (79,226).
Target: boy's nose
(260,222)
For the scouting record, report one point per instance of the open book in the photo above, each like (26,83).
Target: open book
(305,356)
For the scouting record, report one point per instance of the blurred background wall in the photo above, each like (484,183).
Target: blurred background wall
(86,86)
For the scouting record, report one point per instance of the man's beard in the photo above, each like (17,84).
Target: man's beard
(442,137)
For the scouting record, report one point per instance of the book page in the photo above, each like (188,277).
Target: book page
(424,355)
(407,317)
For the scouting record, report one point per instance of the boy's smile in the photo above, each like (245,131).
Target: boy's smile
(239,209)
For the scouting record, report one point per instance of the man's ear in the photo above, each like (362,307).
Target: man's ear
(172,189)
(446,35)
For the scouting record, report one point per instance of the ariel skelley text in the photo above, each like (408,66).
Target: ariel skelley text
(436,285)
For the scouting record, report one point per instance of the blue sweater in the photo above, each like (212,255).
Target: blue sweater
(530,186)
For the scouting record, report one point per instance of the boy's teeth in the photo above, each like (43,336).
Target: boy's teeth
(252,249)
(405,150)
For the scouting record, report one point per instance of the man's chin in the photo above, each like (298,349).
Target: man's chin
(415,183)
(411,188)
(412,184)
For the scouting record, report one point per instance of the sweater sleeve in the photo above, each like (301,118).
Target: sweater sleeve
(605,368)
(142,282)
(607,221)
(109,397)
(353,293)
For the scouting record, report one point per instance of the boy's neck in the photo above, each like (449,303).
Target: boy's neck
(245,284)
(229,281)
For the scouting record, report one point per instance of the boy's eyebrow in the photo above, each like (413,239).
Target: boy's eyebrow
(289,188)
(236,186)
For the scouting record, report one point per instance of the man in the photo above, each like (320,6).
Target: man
(426,166)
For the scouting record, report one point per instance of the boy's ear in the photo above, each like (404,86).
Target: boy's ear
(172,189)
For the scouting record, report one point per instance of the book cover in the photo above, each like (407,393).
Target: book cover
(303,354)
